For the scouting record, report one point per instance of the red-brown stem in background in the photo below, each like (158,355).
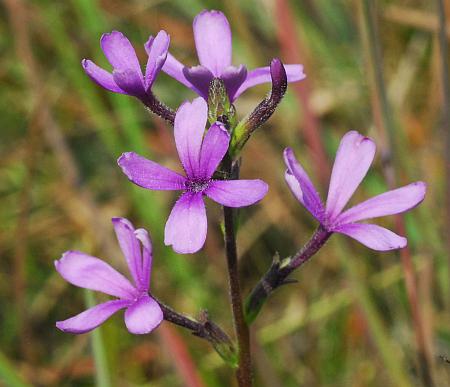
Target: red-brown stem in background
(382,111)
(292,48)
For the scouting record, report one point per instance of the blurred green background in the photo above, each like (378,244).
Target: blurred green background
(348,321)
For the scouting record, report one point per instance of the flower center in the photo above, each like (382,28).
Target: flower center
(197,185)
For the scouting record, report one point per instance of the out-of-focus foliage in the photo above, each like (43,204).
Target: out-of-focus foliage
(347,322)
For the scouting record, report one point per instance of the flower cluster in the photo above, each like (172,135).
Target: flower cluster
(203,152)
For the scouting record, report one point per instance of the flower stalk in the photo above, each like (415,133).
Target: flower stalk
(244,371)
(279,271)
(159,108)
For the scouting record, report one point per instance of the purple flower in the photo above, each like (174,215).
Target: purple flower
(187,224)
(143,313)
(353,159)
(212,37)
(127,77)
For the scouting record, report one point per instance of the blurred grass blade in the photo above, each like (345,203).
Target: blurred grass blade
(102,374)
(8,375)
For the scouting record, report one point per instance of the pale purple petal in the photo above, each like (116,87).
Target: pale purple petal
(353,159)
(92,273)
(130,247)
(200,77)
(388,203)
(101,76)
(174,68)
(214,147)
(372,236)
(302,187)
(189,127)
(92,317)
(294,73)
(147,251)
(233,78)
(130,81)
(237,193)
(156,48)
(143,316)
(187,224)
(212,36)
(148,174)
(119,52)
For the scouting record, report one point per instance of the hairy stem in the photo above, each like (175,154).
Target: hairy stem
(159,108)
(203,328)
(244,371)
(278,272)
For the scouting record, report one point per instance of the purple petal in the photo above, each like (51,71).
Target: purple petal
(143,316)
(302,187)
(212,36)
(92,317)
(119,52)
(189,127)
(92,273)
(214,147)
(130,81)
(174,68)
(233,78)
(101,76)
(147,256)
(187,225)
(237,193)
(200,77)
(388,203)
(148,174)
(260,75)
(130,247)
(353,159)
(372,236)
(156,48)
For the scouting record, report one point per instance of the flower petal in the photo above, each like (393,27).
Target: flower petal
(148,174)
(189,127)
(212,36)
(174,68)
(233,78)
(200,77)
(187,224)
(101,76)
(130,81)
(388,203)
(143,316)
(92,273)
(214,147)
(119,52)
(156,48)
(129,245)
(92,317)
(294,73)
(353,159)
(373,236)
(237,193)
(147,255)
(302,187)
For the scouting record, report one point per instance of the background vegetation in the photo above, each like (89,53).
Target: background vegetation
(348,321)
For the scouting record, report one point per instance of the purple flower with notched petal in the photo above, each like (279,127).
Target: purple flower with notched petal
(353,159)
(143,313)
(212,37)
(187,224)
(127,77)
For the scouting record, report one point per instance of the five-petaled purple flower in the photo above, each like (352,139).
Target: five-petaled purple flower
(187,224)
(127,77)
(143,314)
(212,37)
(353,159)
